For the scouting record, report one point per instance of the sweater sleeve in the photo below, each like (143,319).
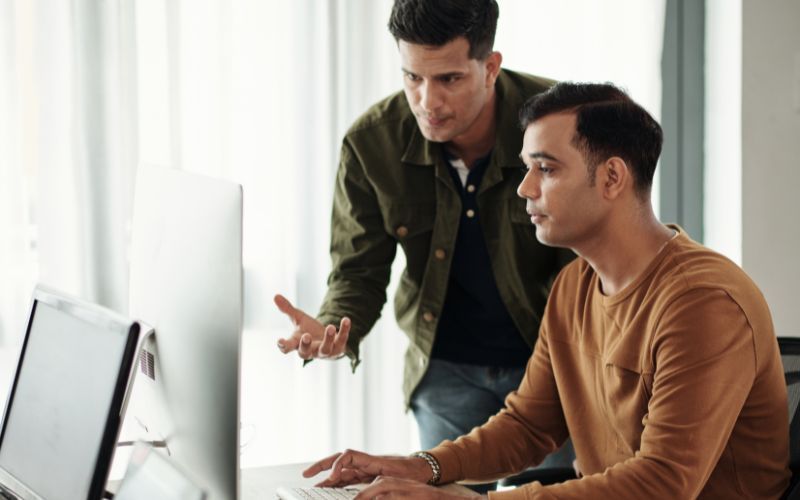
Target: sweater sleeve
(705,366)
(529,427)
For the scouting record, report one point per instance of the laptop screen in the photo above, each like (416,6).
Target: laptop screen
(66,398)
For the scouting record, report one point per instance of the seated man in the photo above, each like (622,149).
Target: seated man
(655,354)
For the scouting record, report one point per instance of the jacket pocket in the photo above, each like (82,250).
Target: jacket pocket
(406,221)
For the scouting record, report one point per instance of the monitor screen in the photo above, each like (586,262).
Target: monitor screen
(67,394)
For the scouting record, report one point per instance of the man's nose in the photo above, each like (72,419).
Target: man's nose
(529,187)
(430,96)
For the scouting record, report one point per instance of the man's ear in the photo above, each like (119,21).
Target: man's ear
(492,65)
(615,177)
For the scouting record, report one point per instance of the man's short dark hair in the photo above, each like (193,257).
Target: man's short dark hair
(437,22)
(607,123)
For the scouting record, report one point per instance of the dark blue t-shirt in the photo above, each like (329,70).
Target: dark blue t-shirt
(474,325)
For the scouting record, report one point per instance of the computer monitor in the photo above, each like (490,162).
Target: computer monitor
(63,412)
(186,283)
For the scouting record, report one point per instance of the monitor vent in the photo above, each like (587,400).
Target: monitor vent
(147,363)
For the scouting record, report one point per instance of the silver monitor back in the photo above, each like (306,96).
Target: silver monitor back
(186,283)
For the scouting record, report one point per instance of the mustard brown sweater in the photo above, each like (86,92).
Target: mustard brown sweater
(672,388)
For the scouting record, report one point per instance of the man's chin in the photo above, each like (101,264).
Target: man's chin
(435,135)
(545,238)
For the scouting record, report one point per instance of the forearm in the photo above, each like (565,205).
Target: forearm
(636,478)
(529,427)
(504,446)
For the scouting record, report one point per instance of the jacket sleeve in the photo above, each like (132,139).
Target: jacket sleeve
(530,427)
(361,252)
(705,367)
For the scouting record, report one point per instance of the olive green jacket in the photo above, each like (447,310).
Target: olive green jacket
(393,187)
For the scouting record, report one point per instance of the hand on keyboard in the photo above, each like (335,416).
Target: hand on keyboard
(353,467)
(317,493)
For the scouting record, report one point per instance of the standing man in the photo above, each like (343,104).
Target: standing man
(434,169)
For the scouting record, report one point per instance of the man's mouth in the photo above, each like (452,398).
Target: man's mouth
(435,121)
(536,216)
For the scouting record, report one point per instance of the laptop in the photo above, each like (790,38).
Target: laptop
(63,412)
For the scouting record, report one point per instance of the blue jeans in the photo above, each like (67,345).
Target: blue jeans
(453,398)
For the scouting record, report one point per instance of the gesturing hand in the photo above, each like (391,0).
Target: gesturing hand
(310,338)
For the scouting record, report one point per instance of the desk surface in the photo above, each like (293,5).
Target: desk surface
(260,483)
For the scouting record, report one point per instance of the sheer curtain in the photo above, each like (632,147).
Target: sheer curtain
(260,93)
(62,154)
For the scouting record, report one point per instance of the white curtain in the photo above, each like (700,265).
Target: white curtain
(62,154)
(261,93)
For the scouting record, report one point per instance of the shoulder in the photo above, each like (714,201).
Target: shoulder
(390,113)
(689,266)
(708,294)
(524,84)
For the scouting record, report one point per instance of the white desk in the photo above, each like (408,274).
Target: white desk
(260,483)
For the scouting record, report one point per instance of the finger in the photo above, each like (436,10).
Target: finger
(327,344)
(304,350)
(350,459)
(287,308)
(290,344)
(320,466)
(340,341)
(346,478)
(381,487)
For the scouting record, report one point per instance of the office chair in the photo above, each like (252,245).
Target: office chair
(790,356)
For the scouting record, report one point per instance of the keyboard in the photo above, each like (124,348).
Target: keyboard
(317,493)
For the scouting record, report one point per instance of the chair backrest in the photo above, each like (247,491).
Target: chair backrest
(790,356)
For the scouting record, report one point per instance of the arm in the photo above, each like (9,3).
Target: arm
(362,254)
(705,367)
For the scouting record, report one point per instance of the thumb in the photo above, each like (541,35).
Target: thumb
(287,308)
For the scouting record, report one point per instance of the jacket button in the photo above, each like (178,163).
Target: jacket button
(440,254)
(401,231)
(428,316)
(470,213)
(471,188)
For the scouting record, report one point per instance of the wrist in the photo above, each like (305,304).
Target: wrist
(429,463)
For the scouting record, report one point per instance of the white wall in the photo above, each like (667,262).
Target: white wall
(722,197)
(771,155)
(766,155)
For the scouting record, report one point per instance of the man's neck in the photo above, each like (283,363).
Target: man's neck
(479,139)
(623,251)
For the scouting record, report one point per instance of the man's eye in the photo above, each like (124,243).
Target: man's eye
(412,78)
(543,168)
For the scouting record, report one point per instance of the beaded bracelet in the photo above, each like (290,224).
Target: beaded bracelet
(434,464)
